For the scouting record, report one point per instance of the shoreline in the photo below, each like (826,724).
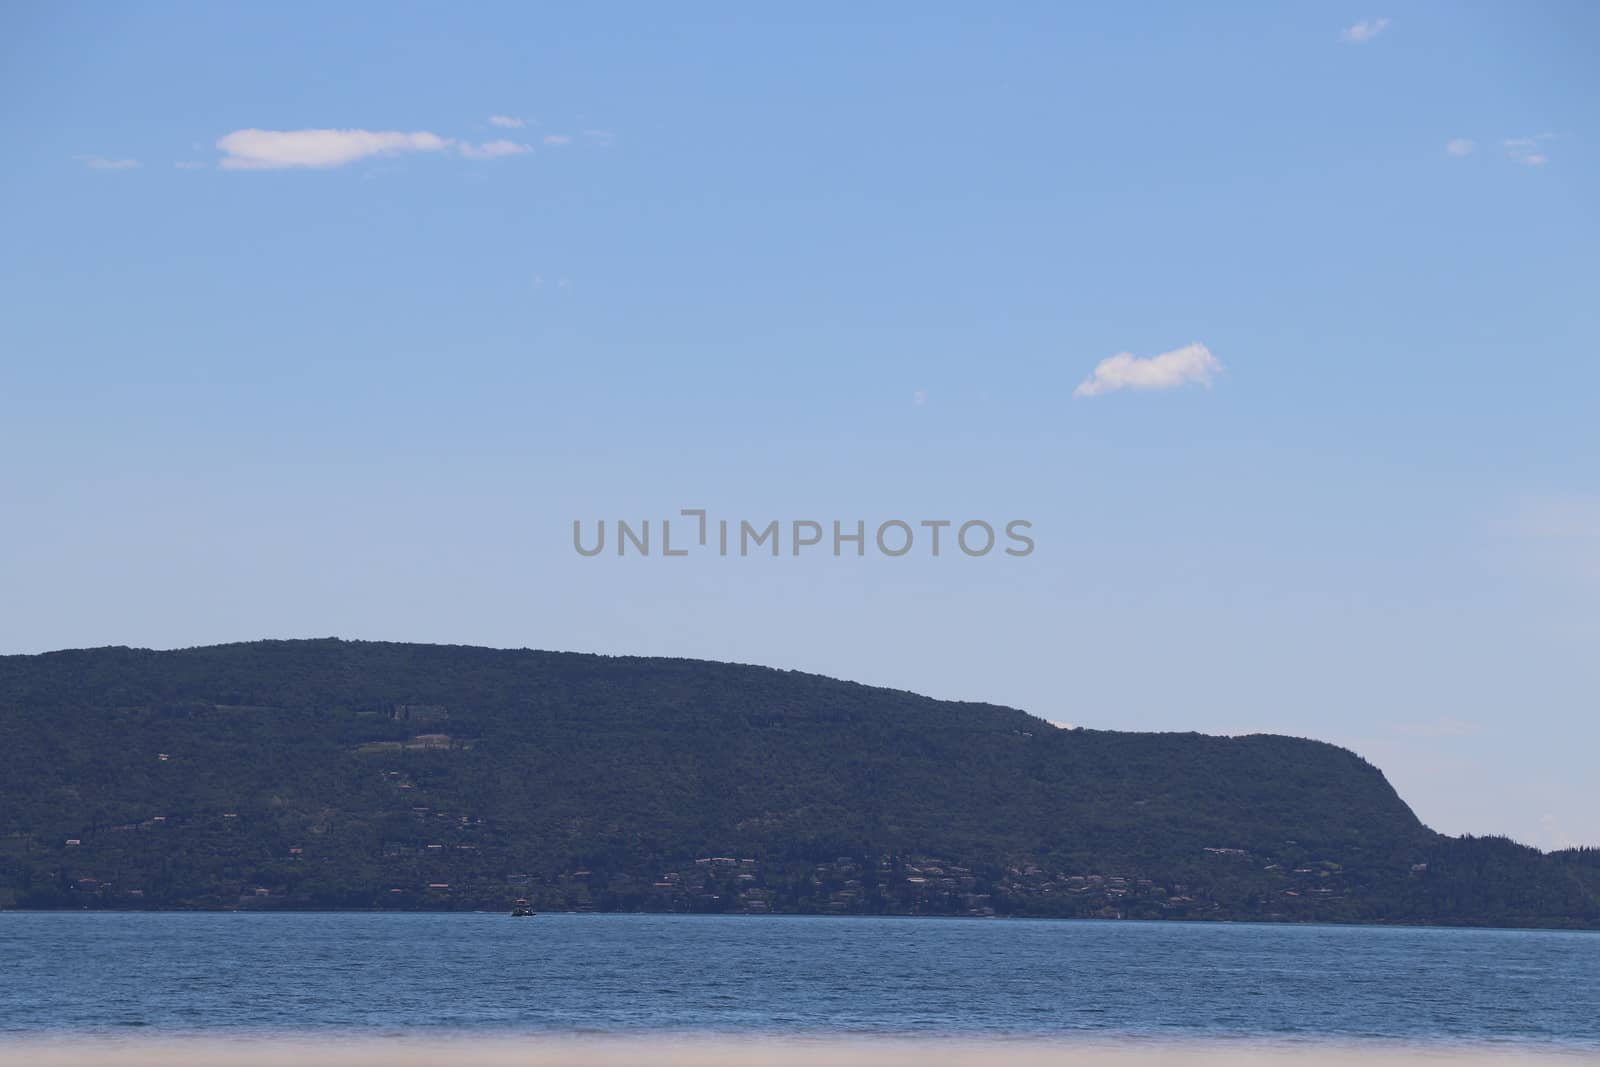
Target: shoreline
(1307,923)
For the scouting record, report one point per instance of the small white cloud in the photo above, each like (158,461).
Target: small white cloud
(507,122)
(1363,31)
(919,397)
(1525,150)
(556,140)
(102,163)
(494,149)
(1190,364)
(189,164)
(1461,146)
(599,138)
(281,149)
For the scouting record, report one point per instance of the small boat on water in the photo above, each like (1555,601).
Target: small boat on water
(521,907)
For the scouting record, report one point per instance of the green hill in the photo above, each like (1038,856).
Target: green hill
(356,774)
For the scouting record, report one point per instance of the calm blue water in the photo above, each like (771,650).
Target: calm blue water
(82,972)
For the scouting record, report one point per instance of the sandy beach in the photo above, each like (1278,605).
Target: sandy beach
(748,1052)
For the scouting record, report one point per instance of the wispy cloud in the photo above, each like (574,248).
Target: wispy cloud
(1559,532)
(102,163)
(919,397)
(1461,146)
(494,149)
(1363,31)
(282,149)
(599,138)
(1191,364)
(190,164)
(507,122)
(557,140)
(1526,150)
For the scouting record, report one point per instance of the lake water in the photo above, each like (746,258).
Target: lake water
(434,973)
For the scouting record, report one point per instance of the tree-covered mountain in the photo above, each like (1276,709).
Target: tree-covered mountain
(357,774)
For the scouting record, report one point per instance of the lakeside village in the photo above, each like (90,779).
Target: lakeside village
(452,871)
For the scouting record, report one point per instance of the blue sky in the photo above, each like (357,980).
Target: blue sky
(546,265)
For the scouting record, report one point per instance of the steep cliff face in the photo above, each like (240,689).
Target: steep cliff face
(370,774)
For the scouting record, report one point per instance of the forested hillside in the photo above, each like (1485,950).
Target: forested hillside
(355,774)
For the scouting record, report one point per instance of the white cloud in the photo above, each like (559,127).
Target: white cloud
(1182,366)
(599,138)
(279,149)
(557,140)
(1461,146)
(494,149)
(1363,31)
(507,122)
(102,163)
(189,164)
(1525,150)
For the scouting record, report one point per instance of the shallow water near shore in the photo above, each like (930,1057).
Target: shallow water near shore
(492,976)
